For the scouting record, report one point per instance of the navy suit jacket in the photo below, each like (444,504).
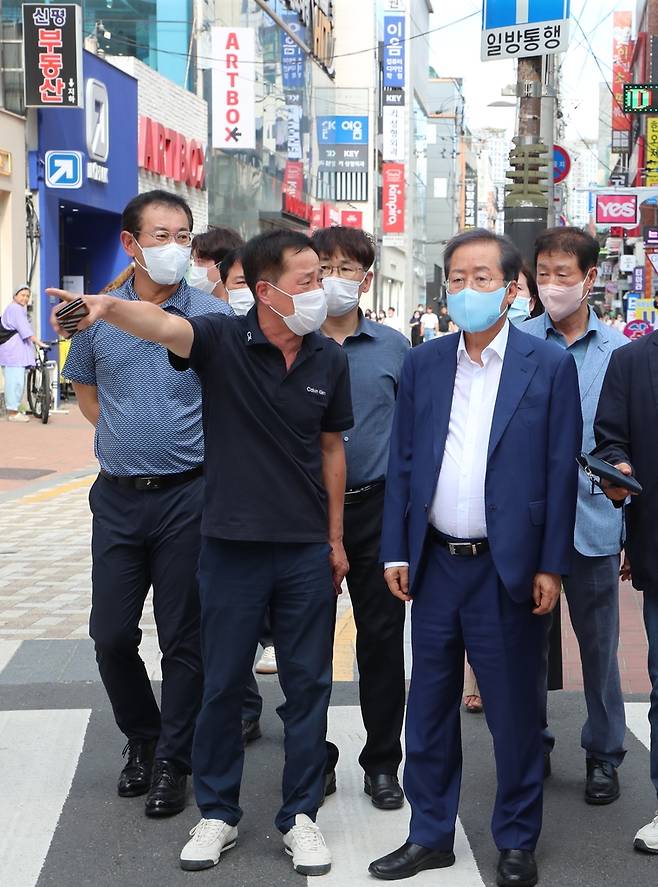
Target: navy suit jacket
(531,481)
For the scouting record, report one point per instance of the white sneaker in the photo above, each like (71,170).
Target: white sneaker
(210,838)
(267,662)
(647,838)
(18,417)
(304,842)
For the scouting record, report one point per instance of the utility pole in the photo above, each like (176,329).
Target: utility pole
(526,199)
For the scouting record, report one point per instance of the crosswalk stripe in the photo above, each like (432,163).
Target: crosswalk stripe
(637,720)
(356,833)
(39,752)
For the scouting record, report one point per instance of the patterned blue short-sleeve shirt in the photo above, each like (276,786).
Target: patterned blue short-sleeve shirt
(150,414)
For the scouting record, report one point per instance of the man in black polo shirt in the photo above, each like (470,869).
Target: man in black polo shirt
(276,400)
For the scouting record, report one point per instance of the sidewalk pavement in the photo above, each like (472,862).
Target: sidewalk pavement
(45,590)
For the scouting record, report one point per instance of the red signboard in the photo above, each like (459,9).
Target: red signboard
(616,209)
(297,208)
(393,198)
(330,215)
(293,178)
(316,218)
(166,152)
(351,218)
(622,53)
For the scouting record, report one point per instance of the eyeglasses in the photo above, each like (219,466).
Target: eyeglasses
(162,237)
(483,283)
(342,270)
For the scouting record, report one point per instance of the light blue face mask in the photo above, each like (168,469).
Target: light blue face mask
(519,310)
(475,312)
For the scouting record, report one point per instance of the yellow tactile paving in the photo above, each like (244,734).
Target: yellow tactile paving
(53,492)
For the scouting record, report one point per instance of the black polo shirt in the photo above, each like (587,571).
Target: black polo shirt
(262,426)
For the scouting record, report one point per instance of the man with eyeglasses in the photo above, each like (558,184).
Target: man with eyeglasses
(478,528)
(375,354)
(146,504)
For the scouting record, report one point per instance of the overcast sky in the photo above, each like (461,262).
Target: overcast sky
(455,51)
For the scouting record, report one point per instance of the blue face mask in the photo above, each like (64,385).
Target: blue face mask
(519,310)
(475,312)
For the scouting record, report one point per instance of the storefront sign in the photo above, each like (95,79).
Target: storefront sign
(622,53)
(617,209)
(393,97)
(343,159)
(293,58)
(166,152)
(297,208)
(343,143)
(318,17)
(293,178)
(351,218)
(394,51)
(52,49)
(393,197)
(638,279)
(393,143)
(294,114)
(233,89)
(652,151)
(650,236)
(471,201)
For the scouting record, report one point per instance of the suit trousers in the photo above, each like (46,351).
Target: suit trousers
(592,592)
(142,538)
(460,605)
(379,618)
(237,582)
(651,624)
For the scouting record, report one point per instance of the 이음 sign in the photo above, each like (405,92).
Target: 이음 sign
(617,209)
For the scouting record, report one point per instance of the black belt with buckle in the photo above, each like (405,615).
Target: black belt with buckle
(154,482)
(358,494)
(460,547)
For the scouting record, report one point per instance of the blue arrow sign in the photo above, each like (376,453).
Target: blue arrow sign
(506,13)
(63,169)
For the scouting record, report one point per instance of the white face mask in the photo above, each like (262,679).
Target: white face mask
(197,276)
(167,264)
(240,300)
(310,311)
(342,295)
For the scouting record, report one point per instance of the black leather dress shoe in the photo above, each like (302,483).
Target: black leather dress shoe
(250,731)
(329,787)
(384,790)
(408,860)
(516,868)
(135,778)
(602,785)
(166,796)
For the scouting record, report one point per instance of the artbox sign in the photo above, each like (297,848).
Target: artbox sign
(166,152)
(617,209)
(233,89)
(393,198)
(52,49)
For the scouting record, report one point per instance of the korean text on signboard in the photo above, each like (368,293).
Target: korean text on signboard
(293,58)
(471,201)
(393,144)
(622,52)
(394,52)
(521,30)
(233,89)
(343,143)
(393,196)
(52,46)
(652,151)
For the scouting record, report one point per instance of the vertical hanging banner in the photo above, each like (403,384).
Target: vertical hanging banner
(393,198)
(394,51)
(622,53)
(233,89)
(52,49)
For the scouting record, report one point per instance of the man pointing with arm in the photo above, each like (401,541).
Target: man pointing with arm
(275,402)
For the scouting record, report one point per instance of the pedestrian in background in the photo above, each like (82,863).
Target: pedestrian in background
(375,354)
(444,321)
(146,504)
(414,325)
(429,325)
(626,433)
(17,352)
(566,260)
(208,250)
(478,538)
(527,303)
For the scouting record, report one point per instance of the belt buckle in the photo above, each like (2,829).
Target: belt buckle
(148,483)
(457,548)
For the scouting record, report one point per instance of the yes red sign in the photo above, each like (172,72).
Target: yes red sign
(393,197)
(616,209)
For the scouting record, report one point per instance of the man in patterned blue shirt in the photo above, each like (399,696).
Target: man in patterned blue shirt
(147,503)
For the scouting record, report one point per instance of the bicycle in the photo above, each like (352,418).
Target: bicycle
(39,395)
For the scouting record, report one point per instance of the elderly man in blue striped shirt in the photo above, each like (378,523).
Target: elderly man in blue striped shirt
(146,504)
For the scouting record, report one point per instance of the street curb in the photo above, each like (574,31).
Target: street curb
(47,483)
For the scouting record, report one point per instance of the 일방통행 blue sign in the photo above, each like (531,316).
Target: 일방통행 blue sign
(342,130)
(524,28)
(394,50)
(506,13)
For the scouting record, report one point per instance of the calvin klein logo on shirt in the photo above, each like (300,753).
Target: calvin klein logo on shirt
(316,391)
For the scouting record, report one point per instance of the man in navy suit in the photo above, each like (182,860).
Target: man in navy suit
(478,529)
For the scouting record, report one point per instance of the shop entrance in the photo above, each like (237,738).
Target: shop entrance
(89,247)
